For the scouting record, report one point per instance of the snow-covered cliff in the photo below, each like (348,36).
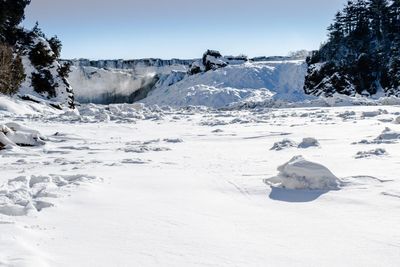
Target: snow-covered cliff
(213,81)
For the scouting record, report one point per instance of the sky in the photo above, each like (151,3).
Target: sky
(128,29)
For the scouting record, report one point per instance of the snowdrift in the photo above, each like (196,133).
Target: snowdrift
(13,134)
(301,174)
(15,105)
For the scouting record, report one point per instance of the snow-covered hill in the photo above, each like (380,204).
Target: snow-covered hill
(235,84)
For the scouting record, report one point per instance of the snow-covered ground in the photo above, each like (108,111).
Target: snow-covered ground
(125,185)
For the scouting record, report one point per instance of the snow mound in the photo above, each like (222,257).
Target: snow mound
(13,134)
(173,140)
(309,142)
(367,154)
(372,114)
(388,134)
(301,174)
(284,144)
(14,105)
(23,194)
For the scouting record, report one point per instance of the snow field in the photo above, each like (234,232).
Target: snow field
(185,187)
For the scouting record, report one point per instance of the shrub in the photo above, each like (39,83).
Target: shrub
(11,71)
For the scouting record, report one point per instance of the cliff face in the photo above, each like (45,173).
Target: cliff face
(119,81)
(130,64)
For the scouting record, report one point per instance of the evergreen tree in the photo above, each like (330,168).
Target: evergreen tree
(11,15)
(55,45)
(362,51)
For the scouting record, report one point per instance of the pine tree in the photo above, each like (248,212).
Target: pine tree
(11,15)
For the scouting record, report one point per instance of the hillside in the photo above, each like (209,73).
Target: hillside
(29,61)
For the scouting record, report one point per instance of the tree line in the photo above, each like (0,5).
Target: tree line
(362,54)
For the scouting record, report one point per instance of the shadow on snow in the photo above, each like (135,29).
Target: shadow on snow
(297,196)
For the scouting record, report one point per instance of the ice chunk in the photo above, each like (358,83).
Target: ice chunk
(12,134)
(300,173)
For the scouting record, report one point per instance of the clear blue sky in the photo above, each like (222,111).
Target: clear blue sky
(99,29)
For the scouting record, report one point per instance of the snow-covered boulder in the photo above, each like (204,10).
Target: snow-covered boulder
(13,134)
(301,174)
(309,142)
(397,120)
(213,60)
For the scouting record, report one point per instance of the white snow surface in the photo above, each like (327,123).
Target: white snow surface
(130,185)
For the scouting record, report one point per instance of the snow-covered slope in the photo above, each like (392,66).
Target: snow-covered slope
(16,106)
(63,95)
(234,84)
